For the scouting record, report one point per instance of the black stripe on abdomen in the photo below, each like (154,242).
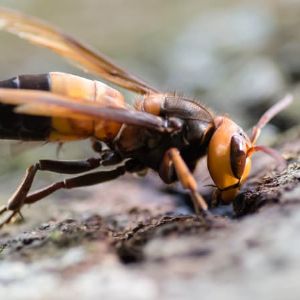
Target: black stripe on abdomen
(15,126)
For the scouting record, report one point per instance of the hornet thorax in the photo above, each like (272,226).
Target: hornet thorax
(149,147)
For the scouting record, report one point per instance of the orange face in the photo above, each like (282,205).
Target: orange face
(228,158)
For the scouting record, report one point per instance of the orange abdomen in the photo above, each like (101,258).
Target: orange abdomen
(79,88)
(42,128)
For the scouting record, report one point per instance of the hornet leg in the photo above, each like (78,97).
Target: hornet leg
(19,198)
(172,159)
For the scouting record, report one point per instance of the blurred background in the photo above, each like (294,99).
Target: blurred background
(236,57)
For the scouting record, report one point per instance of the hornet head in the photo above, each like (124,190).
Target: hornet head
(230,151)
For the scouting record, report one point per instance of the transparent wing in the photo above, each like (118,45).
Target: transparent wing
(42,34)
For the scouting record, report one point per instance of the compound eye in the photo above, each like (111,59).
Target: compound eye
(238,155)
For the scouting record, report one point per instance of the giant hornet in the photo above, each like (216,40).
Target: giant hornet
(163,132)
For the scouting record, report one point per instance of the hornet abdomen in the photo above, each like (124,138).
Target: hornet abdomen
(15,126)
(35,128)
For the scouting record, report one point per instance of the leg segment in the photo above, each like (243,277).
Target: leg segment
(172,160)
(63,167)
(83,180)
(69,166)
(74,182)
(19,198)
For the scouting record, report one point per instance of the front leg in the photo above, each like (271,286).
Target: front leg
(173,161)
